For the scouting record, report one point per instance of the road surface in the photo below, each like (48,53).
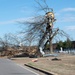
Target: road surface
(8,67)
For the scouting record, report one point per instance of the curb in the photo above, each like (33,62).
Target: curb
(45,72)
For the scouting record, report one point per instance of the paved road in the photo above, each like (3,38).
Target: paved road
(7,67)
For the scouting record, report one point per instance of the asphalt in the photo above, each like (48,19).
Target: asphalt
(8,67)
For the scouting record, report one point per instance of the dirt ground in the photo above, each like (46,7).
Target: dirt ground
(65,66)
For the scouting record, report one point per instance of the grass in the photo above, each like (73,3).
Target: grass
(66,66)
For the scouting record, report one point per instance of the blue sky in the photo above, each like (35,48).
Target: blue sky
(12,11)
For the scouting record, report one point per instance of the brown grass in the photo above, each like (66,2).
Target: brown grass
(66,66)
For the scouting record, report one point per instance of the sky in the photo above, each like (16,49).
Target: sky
(12,11)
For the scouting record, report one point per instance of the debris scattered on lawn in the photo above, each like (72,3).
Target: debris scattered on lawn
(34,60)
(56,59)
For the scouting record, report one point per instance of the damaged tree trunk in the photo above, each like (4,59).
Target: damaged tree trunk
(51,47)
(51,38)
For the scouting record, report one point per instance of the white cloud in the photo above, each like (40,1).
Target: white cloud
(15,21)
(24,9)
(66,15)
(70,28)
(67,19)
(6,22)
(67,10)
(22,20)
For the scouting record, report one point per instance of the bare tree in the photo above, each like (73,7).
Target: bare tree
(4,42)
(41,28)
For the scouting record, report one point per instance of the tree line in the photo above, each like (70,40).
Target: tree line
(65,45)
